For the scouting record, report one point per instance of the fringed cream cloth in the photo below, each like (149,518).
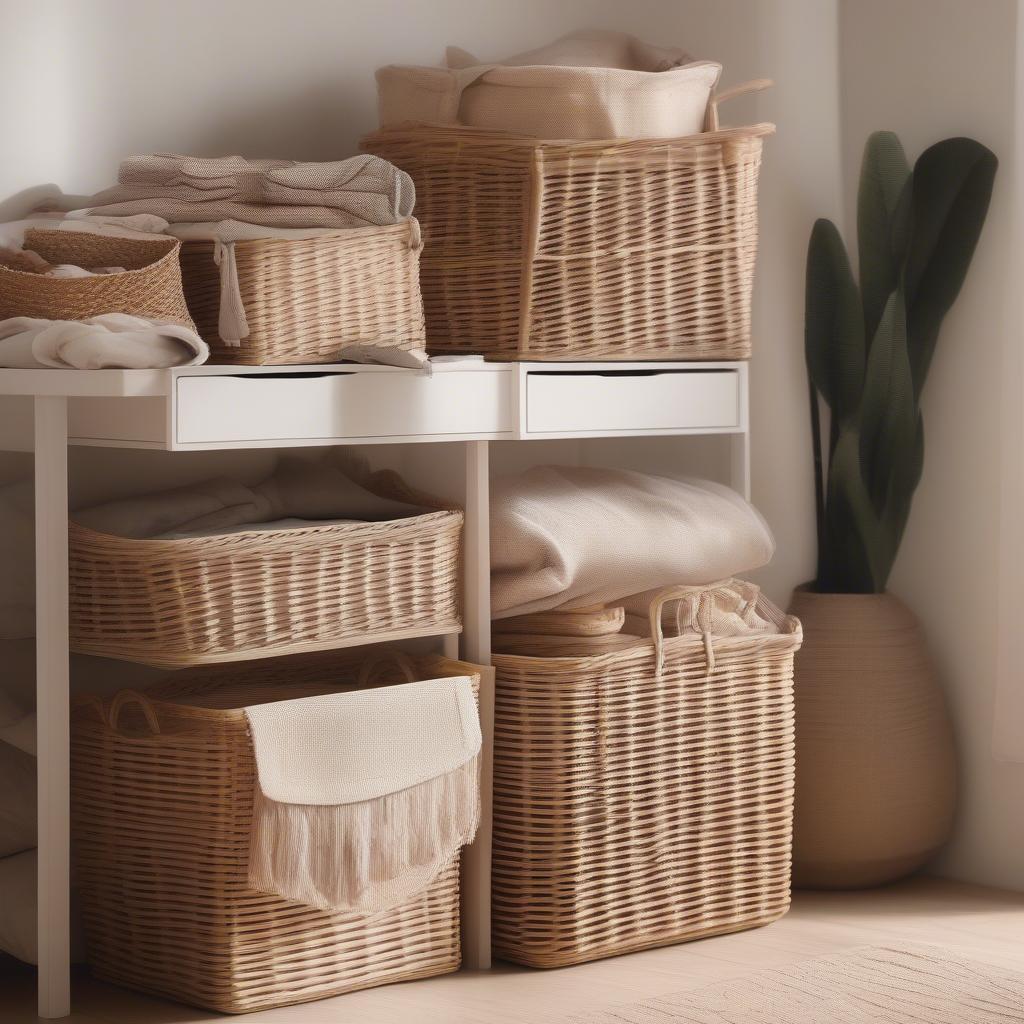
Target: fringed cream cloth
(364,797)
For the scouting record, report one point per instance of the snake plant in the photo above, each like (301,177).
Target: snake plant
(869,346)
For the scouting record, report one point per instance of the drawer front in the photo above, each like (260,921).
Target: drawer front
(264,408)
(631,401)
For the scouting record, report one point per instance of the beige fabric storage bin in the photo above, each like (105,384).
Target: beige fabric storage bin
(552,102)
(173,603)
(631,250)
(163,788)
(307,299)
(636,807)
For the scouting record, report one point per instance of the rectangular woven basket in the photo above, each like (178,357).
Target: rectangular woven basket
(162,806)
(306,299)
(634,808)
(626,249)
(174,603)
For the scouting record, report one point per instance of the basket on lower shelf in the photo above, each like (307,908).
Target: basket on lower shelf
(544,250)
(162,808)
(307,299)
(635,808)
(199,600)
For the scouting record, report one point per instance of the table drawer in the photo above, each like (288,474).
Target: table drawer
(337,404)
(631,401)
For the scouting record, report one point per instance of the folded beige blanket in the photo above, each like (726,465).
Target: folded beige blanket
(364,797)
(570,536)
(349,193)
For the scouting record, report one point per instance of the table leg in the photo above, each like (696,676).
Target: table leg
(476,640)
(52,700)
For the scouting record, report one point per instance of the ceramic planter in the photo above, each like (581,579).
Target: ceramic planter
(875,765)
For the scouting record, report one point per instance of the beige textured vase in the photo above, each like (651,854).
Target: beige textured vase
(875,765)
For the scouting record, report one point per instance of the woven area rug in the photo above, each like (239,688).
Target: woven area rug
(873,985)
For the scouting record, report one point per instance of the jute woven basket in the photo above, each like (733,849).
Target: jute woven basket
(306,299)
(634,807)
(199,600)
(150,286)
(162,806)
(546,250)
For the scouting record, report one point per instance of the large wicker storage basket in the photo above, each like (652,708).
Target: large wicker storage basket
(307,299)
(162,806)
(627,249)
(149,287)
(199,600)
(635,808)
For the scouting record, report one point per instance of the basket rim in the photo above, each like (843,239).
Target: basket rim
(403,226)
(304,535)
(487,136)
(83,704)
(120,275)
(789,638)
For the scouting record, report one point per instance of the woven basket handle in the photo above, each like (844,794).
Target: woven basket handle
(125,697)
(657,633)
(754,85)
(376,660)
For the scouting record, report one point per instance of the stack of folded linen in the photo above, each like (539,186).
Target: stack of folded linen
(579,556)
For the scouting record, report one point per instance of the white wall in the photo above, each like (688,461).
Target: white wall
(929,69)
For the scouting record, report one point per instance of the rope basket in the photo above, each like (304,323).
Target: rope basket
(174,603)
(162,806)
(636,807)
(149,287)
(546,250)
(306,299)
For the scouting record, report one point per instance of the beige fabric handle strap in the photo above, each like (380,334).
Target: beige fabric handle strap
(743,89)
(705,608)
(232,325)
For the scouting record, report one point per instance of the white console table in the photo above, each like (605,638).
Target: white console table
(224,407)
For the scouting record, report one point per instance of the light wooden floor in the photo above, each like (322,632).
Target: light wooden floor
(985,924)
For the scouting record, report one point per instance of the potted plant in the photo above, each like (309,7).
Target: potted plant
(875,765)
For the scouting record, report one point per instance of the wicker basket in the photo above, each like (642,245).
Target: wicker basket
(640,249)
(634,808)
(200,600)
(162,807)
(306,299)
(150,286)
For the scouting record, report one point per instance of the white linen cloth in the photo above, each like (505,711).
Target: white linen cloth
(573,536)
(110,341)
(364,797)
(298,489)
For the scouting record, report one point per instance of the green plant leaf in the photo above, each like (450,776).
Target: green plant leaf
(852,525)
(888,413)
(881,234)
(897,508)
(834,324)
(952,188)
